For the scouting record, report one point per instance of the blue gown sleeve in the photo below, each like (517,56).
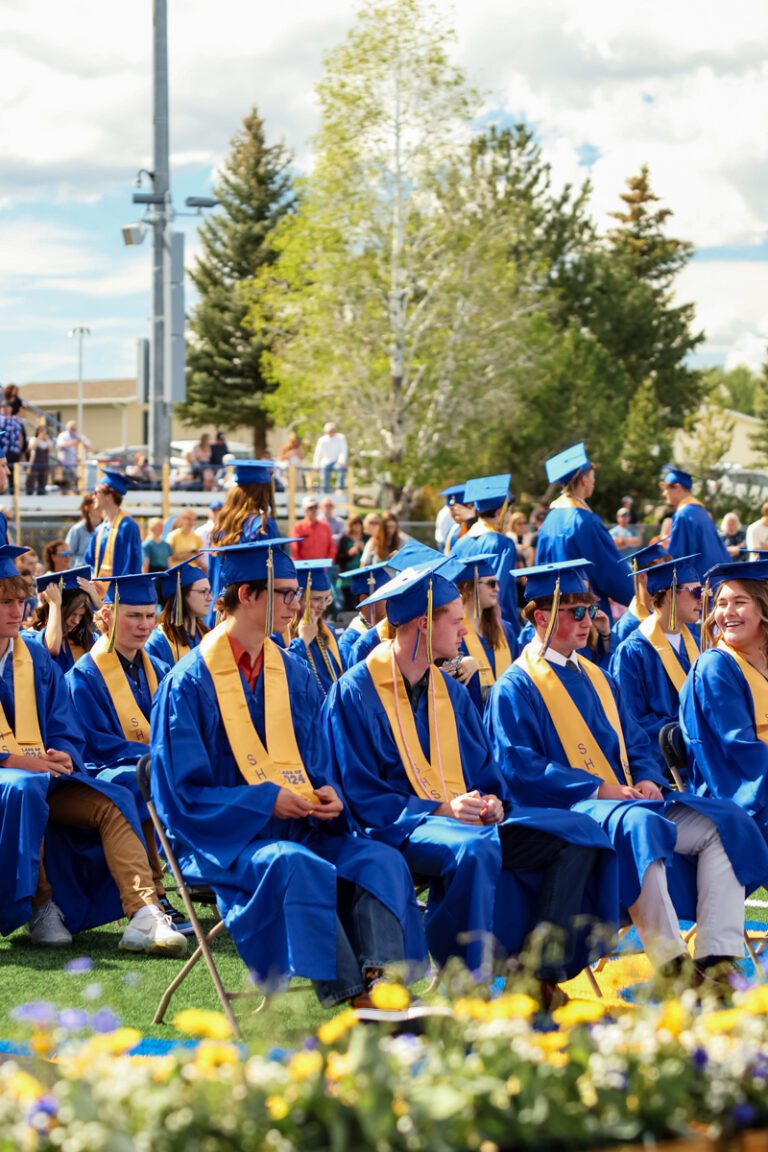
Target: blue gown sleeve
(105,744)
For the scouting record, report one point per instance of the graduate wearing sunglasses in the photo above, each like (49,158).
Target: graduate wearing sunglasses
(490,644)
(652,663)
(564,736)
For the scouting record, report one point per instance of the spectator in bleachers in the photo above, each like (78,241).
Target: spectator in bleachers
(315,540)
(385,541)
(184,541)
(57,556)
(157,552)
(335,523)
(15,440)
(331,456)
(39,460)
(733,536)
(68,448)
(79,535)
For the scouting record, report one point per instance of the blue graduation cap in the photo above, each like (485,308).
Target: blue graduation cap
(478,565)
(67,580)
(8,554)
(671,474)
(567,464)
(645,556)
(254,472)
(737,570)
(314,575)
(672,572)
(488,493)
(365,581)
(407,593)
(180,576)
(118,481)
(453,494)
(241,563)
(412,554)
(542,579)
(133,588)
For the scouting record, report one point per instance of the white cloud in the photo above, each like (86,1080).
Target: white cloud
(731,299)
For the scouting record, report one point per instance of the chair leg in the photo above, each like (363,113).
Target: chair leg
(751,952)
(202,950)
(593,981)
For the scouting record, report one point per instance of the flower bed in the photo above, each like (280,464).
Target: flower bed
(491,1075)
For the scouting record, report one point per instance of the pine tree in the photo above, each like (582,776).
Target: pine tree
(225,385)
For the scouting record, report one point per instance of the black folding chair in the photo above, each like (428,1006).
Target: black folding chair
(191,896)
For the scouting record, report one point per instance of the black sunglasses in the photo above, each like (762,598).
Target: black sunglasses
(579,611)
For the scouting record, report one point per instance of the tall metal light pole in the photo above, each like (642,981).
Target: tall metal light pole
(159,409)
(80,331)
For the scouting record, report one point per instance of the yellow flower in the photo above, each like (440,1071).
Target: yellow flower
(390,997)
(471,1008)
(305,1064)
(200,1022)
(40,1043)
(672,1018)
(515,1006)
(755,1003)
(399,1106)
(22,1086)
(578,1012)
(514,1086)
(338,1065)
(212,1054)
(277,1107)
(723,1021)
(333,1029)
(112,1043)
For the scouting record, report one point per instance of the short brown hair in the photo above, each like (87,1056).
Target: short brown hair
(229,598)
(18,586)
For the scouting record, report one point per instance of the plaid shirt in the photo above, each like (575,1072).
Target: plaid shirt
(11,433)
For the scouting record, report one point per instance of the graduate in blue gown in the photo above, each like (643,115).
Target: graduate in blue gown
(362,582)
(491,496)
(75,867)
(722,703)
(666,842)
(693,529)
(299,893)
(185,597)
(494,871)
(63,620)
(312,640)
(649,684)
(463,515)
(639,608)
(490,644)
(572,530)
(246,516)
(115,547)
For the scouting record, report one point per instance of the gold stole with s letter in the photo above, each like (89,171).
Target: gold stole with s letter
(440,778)
(27,739)
(502,657)
(280,762)
(133,722)
(654,634)
(105,564)
(758,688)
(580,745)
(565,500)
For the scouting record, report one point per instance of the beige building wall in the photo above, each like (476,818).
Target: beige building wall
(740,454)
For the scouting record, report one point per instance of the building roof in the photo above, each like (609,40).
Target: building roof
(50,393)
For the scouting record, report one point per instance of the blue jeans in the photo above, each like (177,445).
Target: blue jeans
(325,478)
(368,938)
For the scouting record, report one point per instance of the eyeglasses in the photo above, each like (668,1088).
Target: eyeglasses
(696,592)
(579,611)
(202,591)
(66,555)
(489,582)
(290,595)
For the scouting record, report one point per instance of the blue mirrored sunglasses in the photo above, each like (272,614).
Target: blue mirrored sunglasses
(579,611)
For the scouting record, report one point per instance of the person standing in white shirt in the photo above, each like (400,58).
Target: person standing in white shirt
(331,454)
(757,533)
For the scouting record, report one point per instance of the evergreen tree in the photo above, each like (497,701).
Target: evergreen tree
(647,444)
(225,385)
(758,440)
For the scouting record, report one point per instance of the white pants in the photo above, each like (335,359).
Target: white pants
(719,896)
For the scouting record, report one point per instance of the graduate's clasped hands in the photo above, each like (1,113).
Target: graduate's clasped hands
(290,806)
(472,808)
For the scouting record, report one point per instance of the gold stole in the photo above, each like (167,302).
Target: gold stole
(481,527)
(133,722)
(27,740)
(638,609)
(384,630)
(689,500)
(104,565)
(453,537)
(565,500)
(280,762)
(440,778)
(579,743)
(502,657)
(758,688)
(360,625)
(178,650)
(654,634)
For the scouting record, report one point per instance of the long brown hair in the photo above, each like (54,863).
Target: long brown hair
(71,600)
(490,618)
(382,545)
(244,500)
(176,634)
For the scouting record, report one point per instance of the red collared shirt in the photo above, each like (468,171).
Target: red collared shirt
(249,669)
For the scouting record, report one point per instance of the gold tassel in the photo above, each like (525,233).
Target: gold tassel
(552,619)
(706,634)
(308,599)
(501,514)
(178,606)
(371,607)
(429,621)
(477,595)
(635,580)
(673,603)
(113,629)
(270,591)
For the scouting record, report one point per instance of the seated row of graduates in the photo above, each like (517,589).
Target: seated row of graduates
(250,764)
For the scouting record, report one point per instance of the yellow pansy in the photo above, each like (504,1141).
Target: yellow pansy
(333,1029)
(672,1018)
(578,1012)
(305,1064)
(201,1022)
(471,1008)
(390,997)
(755,1002)
(212,1054)
(515,1006)
(723,1021)
(277,1107)
(40,1043)
(112,1043)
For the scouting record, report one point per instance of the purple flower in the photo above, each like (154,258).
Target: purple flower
(39,1012)
(73,1019)
(310,1043)
(743,1114)
(80,964)
(700,1058)
(105,1020)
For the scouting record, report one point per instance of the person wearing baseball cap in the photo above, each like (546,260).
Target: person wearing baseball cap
(314,540)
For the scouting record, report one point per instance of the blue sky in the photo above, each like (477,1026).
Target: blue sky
(682,86)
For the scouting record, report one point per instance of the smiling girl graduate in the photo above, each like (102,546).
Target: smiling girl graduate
(185,595)
(724,701)
(241,777)
(564,738)
(417,768)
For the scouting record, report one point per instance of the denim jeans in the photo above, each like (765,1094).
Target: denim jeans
(368,938)
(326,470)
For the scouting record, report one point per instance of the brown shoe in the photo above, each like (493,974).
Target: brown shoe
(551,995)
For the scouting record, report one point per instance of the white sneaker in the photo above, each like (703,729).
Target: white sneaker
(47,926)
(150,930)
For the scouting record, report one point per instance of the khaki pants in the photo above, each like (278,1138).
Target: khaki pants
(78,806)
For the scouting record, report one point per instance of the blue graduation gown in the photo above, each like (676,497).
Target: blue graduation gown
(693,530)
(322,676)
(349,638)
(127,555)
(535,767)
(717,717)
(514,651)
(622,627)
(160,651)
(645,687)
(570,533)
(255,527)
(479,898)
(74,862)
(503,560)
(65,660)
(275,880)
(363,647)
(108,755)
